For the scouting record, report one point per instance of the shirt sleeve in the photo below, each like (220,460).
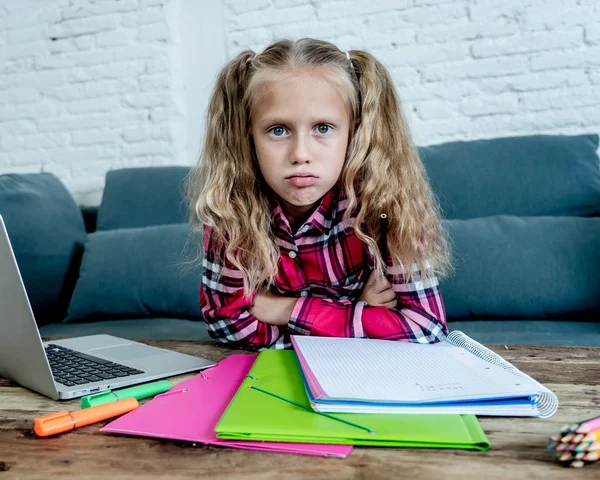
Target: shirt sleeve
(419,316)
(225,307)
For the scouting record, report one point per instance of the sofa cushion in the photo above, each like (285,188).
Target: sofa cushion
(47,234)
(524,267)
(524,176)
(138,272)
(142,197)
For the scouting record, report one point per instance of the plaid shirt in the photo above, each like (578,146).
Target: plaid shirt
(325,265)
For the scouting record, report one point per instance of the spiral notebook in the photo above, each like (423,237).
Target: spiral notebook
(457,375)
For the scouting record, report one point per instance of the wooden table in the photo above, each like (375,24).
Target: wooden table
(518,444)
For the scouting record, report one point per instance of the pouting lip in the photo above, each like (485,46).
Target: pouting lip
(300,174)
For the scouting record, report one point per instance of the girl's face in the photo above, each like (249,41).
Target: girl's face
(300,128)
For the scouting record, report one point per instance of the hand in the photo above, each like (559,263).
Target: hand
(378,292)
(273,309)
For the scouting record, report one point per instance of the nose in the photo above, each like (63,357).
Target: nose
(300,151)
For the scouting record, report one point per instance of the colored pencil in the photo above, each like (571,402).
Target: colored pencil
(589,426)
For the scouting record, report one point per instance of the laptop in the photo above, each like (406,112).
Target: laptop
(73,367)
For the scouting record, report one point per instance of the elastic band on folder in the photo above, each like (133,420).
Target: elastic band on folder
(171,392)
(310,409)
(250,376)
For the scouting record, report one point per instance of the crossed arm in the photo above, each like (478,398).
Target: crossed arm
(277,310)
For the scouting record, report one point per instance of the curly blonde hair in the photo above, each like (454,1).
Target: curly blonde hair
(227,192)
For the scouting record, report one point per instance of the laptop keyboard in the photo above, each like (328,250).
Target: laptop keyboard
(72,368)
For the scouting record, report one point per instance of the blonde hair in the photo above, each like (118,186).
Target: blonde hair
(227,192)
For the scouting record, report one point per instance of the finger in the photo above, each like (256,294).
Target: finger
(391,304)
(381,284)
(386,296)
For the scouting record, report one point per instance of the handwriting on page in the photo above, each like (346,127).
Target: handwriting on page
(439,387)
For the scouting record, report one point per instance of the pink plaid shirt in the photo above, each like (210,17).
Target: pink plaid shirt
(325,265)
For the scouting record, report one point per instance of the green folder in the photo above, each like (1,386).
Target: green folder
(271,405)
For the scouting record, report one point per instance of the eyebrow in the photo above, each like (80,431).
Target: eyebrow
(284,121)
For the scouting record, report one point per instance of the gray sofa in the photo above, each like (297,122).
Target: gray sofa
(522,214)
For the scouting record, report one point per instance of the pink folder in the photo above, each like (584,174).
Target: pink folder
(190,411)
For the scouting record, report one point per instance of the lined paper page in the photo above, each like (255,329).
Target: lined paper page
(389,371)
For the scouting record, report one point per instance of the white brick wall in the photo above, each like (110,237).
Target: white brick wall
(464,68)
(86,86)
(90,85)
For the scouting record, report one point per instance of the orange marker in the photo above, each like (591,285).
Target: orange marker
(64,421)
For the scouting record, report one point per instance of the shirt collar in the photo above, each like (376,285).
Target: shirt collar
(321,219)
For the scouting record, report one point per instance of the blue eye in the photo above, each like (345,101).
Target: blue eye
(323,128)
(278,131)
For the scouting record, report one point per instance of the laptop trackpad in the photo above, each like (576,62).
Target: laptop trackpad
(127,352)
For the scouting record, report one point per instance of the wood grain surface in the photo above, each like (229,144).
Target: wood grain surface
(518,444)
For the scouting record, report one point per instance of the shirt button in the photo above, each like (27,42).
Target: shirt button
(304,293)
(292,254)
(304,228)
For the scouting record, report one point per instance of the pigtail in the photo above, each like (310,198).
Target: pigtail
(384,166)
(224,192)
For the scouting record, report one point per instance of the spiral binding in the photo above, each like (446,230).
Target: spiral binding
(546,402)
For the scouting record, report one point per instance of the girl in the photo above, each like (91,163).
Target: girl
(306,148)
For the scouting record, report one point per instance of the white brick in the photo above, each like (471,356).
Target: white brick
(354,8)
(463,30)
(154,32)
(23,35)
(559,59)
(405,76)
(592,33)
(237,7)
(564,98)
(390,39)
(137,52)
(384,22)
(73,59)
(594,76)
(60,45)
(542,17)
(151,147)
(278,17)
(17,112)
(92,9)
(68,124)
(35,141)
(84,26)
(87,42)
(485,105)
(413,56)
(534,81)
(146,100)
(19,65)
(143,17)
(93,89)
(160,114)
(112,39)
(436,109)
(256,35)
(158,64)
(139,134)
(448,13)
(154,82)
(14,52)
(95,105)
(20,95)
(80,155)
(527,42)
(18,127)
(95,137)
